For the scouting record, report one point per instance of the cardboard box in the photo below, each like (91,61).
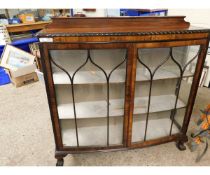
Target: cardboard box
(23,79)
(27,18)
(14,58)
(19,65)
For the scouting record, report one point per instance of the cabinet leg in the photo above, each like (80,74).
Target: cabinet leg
(60,162)
(59,157)
(180,145)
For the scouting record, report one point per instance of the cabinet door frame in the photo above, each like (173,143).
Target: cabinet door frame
(132,49)
(193,91)
(50,89)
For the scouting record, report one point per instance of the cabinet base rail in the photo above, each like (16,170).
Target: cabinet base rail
(179,140)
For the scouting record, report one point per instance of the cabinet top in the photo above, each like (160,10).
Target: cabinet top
(118,26)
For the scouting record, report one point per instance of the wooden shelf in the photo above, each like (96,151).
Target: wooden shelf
(98,109)
(118,76)
(156,128)
(89,137)
(26,26)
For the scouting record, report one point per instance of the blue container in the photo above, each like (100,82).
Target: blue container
(132,13)
(129,12)
(22,44)
(14,21)
(4,77)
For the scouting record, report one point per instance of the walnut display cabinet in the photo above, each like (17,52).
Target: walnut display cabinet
(121,83)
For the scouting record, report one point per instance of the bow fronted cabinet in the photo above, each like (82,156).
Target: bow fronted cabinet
(121,83)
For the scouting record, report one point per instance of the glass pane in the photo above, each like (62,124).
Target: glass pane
(188,66)
(98,78)
(160,98)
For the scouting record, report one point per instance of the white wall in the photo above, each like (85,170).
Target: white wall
(200,17)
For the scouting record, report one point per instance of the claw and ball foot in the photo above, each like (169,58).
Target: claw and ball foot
(60,158)
(60,162)
(180,145)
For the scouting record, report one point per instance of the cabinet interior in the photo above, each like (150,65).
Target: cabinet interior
(99,77)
